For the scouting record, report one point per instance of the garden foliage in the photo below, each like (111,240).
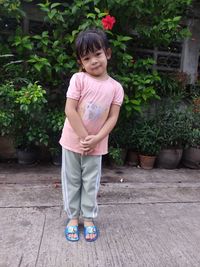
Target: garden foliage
(47,57)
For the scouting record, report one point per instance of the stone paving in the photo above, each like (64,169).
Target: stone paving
(147,218)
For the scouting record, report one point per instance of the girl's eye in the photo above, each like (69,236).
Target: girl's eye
(86,58)
(98,53)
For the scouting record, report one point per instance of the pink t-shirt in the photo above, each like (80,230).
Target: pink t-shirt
(95,98)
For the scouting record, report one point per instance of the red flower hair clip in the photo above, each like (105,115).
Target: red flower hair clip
(108,22)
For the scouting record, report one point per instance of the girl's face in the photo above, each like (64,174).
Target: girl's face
(95,63)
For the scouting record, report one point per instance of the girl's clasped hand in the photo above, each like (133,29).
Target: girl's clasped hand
(88,144)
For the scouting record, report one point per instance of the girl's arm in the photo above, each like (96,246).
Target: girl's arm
(109,123)
(74,118)
(92,140)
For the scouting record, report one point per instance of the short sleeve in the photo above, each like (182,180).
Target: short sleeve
(119,95)
(74,89)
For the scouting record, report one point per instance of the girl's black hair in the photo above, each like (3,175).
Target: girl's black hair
(90,40)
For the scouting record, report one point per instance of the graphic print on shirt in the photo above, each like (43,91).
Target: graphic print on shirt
(92,111)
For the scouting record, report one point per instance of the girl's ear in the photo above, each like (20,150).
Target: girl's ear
(108,53)
(79,62)
(81,68)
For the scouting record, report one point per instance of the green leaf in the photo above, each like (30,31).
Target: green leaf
(37,37)
(136,102)
(137,108)
(45,34)
(28,46)
(45,42)
(44,7)
(74,9)
(126,38)
(55,5)
(97,10)
(52,13)
(55,43)
(91,15)
(38,66)
(177,18)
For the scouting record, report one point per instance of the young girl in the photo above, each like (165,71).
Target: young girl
(92,109)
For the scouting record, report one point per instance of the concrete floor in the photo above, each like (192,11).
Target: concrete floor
(147,218)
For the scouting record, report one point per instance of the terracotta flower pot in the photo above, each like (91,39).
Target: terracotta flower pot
(147,162)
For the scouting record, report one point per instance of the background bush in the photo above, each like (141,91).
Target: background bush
(47,56)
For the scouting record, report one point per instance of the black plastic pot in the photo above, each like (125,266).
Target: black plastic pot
(169,158)
(26,156)
(57,159)
(191,158)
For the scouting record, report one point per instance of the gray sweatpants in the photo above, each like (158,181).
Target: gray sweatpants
(80,184)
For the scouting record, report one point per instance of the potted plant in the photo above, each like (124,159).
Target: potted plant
(116,156)
(191,154)
(55,120)
(132,158)
(7,98)
(26,108)
(147,132)
(118,141)
(174,122)
(7,150)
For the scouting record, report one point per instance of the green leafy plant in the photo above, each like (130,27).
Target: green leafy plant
(174,122)
(54,124)
(5,122)
(193,131)
(121,133)
(194,138)
(115,153)
(22,114)
(141,85)
(147,134)
(12,8)
(142,18)
(170,86)
(48,55)
(7,98)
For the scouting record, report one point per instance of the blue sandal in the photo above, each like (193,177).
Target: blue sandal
(91,230)
(72,229)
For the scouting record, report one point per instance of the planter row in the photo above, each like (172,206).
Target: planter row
(167,159)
